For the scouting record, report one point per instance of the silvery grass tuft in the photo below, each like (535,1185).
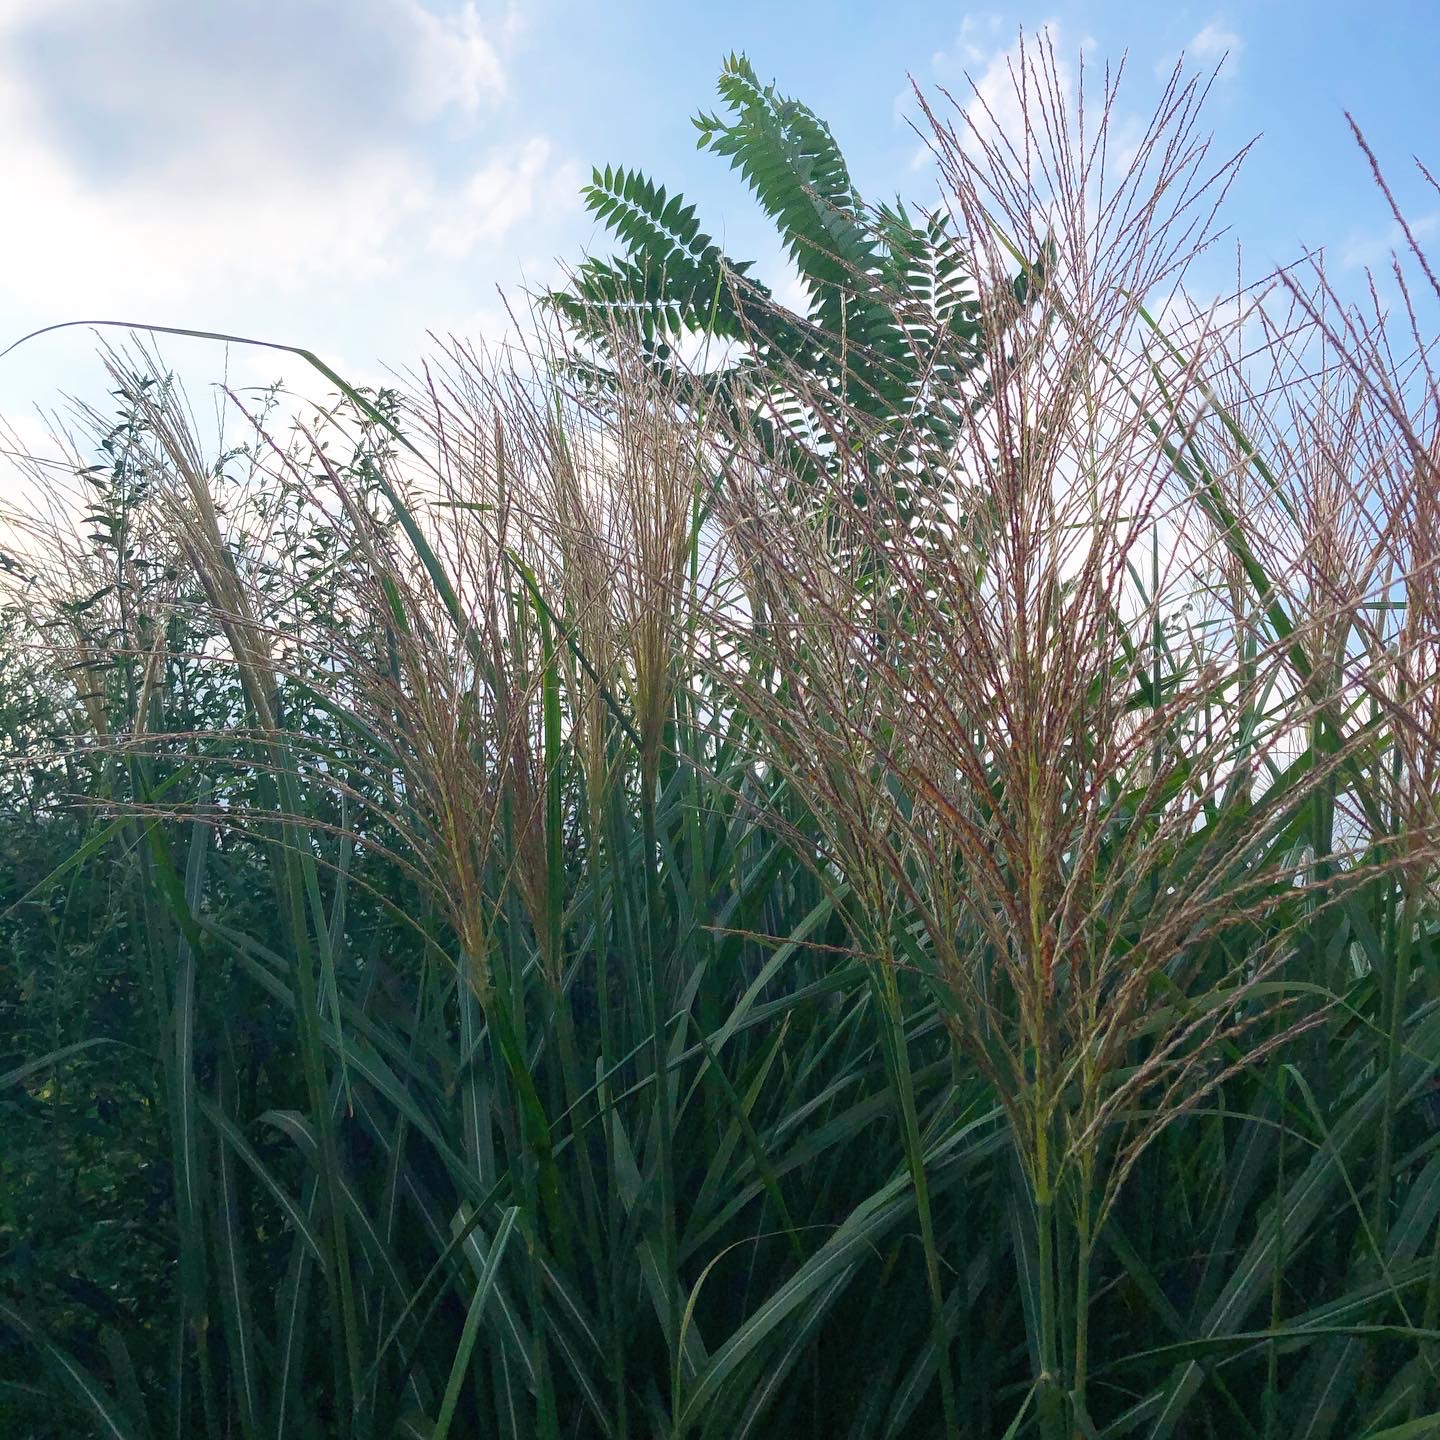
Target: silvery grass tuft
(1044,785)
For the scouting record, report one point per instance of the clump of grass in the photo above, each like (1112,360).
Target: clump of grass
(1010,740)
(608,875)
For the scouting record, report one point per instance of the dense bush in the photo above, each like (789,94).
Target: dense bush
(859,891)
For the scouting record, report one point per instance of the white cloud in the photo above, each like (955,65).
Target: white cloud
(979,38)
(974,45)
(155,86)
(976,71)
(455,61)
(512,187)
(294,174)
(995,107)
(1213,44)
(77,247)
(156,164)
(1367,250)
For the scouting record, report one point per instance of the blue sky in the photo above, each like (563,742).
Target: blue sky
(348,174)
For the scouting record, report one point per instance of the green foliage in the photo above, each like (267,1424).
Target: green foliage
(399,1036)
(892,327)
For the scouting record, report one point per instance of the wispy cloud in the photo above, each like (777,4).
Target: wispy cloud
(1367,249)
(980,36)
(454,59)
(158,156)
(1215,43)
(518,184)
(992,102)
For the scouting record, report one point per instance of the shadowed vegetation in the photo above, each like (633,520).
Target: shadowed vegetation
(879,883)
